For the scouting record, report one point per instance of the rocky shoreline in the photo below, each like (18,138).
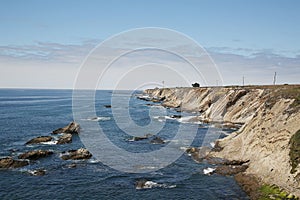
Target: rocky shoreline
(270,118)
(65,137)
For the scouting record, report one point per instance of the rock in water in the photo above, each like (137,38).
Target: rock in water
(39,139)
(144,184)
(157,140)
(72,128)
(176,116)
(198,154)
(230,169)
(9,162)
(38,172)
(78,154)
(137,138)
(65,138)
(34,155)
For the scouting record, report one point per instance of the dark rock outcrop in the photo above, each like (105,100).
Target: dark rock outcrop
(138,138)
(250,184)
(198,154)
(157,140)
(78,154)
(9,162)
(230,169)
(175,116)
(65,138)
(221,161)
(39,139)
(36,154)
(72,128)
(235,97)
(140,184)
(107,106)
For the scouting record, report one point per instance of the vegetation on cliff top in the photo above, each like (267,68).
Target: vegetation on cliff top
(283,91)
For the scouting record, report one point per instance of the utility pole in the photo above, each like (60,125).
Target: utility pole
(163,83)
(274,80)
(243,80)
(217,82)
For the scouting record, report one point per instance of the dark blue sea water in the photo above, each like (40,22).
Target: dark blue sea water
(25,114)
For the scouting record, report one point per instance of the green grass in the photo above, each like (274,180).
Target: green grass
(295,151)
(277,92)
(274,192)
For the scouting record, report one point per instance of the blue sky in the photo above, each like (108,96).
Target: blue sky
(265,31)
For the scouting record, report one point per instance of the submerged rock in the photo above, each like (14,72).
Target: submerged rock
(39,139)
(157,140)
(72,128)
(9,162)
(138,138)
(73,165)
(78,154)
(65,138)
(36,154)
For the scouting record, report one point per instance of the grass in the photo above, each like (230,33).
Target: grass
(274,192)
(295,151)
(277,92)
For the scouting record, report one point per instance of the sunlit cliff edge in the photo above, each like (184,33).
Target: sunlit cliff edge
(270,135)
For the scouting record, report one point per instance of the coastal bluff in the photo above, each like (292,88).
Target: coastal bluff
(269,136)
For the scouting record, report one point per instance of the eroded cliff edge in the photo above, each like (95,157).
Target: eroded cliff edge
(270,134)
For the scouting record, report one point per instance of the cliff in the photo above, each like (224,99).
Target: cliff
(269,137)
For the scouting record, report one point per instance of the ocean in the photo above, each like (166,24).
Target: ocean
(27,113)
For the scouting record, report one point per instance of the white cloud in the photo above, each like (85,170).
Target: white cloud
(53,65)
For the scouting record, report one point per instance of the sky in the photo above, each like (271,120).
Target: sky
(44,44)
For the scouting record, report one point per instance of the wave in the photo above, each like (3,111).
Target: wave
(189,119)
(97,119)
(151,184)
(208,171)
(50,142)
(186,119)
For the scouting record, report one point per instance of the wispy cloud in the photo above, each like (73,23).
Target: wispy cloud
(48,52)
(60,62)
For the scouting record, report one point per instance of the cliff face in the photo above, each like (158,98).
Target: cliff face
(270,116)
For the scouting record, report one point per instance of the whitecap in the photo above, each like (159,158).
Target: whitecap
(96,119)
(160,118)
(208,171)
(94,161)
(186,119)
(36,172)
(152,184)
(50,142)
(189,119)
